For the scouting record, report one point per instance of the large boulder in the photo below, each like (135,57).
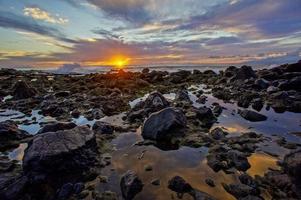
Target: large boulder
(243,73)
(293,84)
(252,115)
(57,126)
(130,185)
(10,134)
(63,151)
(22,90)
(206,116)
(165,124)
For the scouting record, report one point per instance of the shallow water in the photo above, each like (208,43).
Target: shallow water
(189,163)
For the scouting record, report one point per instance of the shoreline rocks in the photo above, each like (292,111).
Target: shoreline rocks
(165,124)
(11,135)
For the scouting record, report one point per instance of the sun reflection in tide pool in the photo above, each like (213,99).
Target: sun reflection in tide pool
(261,163)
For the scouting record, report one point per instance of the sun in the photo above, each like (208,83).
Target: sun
(120,62)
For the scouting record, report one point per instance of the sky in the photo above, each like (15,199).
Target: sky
(40,33)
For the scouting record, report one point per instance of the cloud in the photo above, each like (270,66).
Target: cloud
(68,68)
(106,34)
(13,21)
(223,41)
(135,11)
(250,18)
(40,14)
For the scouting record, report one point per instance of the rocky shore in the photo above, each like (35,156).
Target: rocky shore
(63,159)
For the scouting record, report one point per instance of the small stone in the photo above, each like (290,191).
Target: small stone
(148,168)
(210,182)
(156,182)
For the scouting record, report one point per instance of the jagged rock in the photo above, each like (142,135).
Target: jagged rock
(165,124)
(252,115)
(103,128)
(155,102)
(218,134)
(130,185)
(10,134)
(182,95)
(57,126)
(22,90)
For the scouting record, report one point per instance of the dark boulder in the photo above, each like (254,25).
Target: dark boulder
(130,185)
(179,185)
(262,83)
(243,73)
(22,90)
(57,126)
(293,84)
(103,128)
(60,152)
(165,124)
(252,115)
(240,190)
(206,116)
(10,134)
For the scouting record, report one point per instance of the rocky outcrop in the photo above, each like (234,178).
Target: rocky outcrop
(130,185)
(153,103)
(22,90)
(10,135)
(164,125)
